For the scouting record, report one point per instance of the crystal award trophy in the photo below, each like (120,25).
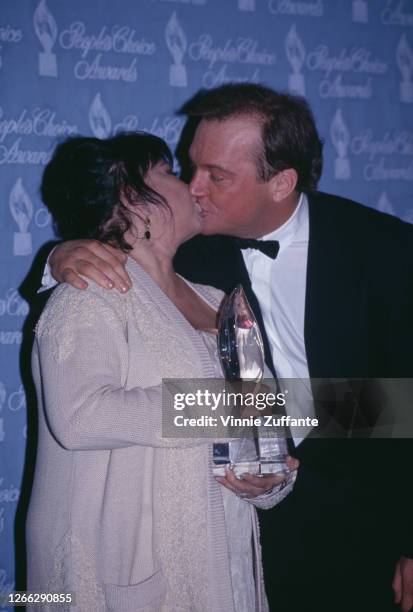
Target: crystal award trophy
(259,449)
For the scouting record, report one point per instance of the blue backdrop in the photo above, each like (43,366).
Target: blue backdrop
(97,67)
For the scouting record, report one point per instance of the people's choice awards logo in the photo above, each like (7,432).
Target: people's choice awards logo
(99,118)
(386,155)
(340,137)
(357,61)
(404,57)
(296,8)
(295,52)
(246,5)
(168,128)
(46,31)
(177,45)
(8,34)
(21,209)
(242,51)
(394,14)
(360,11)
(12,305)
(25,124)
(94,48)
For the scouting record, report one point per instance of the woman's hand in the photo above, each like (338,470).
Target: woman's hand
(97,261)
(250,486)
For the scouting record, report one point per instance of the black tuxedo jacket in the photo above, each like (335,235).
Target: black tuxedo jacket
(358,324)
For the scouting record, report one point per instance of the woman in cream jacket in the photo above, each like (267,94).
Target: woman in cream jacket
(122,517)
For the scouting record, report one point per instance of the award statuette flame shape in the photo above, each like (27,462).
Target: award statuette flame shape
(241,352)
(46,31)
(340,137)
(177,44)
(99,118)
(295,52)
(21,209)
(360,11)
(404,58)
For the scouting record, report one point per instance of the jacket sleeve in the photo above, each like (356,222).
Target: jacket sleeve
(400,359)
(275,495)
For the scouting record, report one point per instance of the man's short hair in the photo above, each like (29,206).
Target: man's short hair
(289,134)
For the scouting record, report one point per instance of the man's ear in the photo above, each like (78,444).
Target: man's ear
(283,184)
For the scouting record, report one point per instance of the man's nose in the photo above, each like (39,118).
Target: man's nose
(197,186)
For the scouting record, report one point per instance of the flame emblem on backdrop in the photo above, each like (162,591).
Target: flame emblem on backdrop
(340,137)
(99,118)
(46,31)
(246,5)
(295,52)
(21,209)
(360,11)
(404,58)
(177,44)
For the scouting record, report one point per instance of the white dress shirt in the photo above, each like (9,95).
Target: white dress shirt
(280,286)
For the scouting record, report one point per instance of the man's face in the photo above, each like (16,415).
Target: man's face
(225,182)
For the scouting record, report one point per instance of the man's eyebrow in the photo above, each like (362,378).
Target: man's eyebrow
(217,168)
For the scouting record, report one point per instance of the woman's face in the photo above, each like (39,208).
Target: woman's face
(186,218)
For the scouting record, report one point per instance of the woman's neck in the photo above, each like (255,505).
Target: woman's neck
(157,261)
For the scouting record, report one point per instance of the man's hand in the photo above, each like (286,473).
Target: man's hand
(100,262)
(403,584)
(251,486)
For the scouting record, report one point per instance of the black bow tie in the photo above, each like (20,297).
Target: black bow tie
(268,247)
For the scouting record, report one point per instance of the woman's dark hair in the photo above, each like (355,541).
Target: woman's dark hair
(87,180)
(289,134)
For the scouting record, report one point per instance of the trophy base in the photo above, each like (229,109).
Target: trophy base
(360,12)
(406,92)
(342,169)
(296,84)
(177,76)
(22,243)
(265,455)
(47,64)
(255,468)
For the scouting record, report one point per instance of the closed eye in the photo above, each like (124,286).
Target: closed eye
(216,178)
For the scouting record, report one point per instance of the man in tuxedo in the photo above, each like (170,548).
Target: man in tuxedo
(336,303)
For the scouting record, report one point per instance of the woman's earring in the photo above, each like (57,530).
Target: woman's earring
(147,234)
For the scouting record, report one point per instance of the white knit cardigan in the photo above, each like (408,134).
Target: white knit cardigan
(105,476)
